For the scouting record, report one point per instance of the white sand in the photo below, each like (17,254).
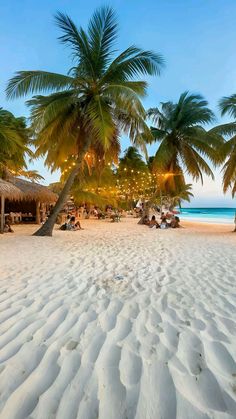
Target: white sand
(78,342)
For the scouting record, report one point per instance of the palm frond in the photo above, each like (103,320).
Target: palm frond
(224,129)
(102,31)
(29,82)
(227,105)
(137,89)
(158,134)
(101,118)
(134,62)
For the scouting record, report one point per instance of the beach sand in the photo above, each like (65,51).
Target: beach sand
(118,321)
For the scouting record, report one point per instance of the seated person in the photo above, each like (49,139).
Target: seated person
(101,215)
(163,218)
(95,212)
(146,220)
(172,221)
(115,216)
(72,225)
(153,222)
(7,226)
(175,222)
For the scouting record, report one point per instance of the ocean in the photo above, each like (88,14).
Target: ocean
(209,215)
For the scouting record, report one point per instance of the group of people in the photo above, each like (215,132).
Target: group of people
(171,221)
(109,212)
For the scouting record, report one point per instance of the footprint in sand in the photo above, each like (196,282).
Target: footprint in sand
(72,345)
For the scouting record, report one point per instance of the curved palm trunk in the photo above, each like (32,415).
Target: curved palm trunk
(47,228)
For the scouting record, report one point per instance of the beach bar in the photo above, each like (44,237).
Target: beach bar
(29,199)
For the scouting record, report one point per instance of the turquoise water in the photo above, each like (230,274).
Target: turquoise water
(210,215)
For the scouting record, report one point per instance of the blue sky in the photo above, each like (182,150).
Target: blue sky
(196,38)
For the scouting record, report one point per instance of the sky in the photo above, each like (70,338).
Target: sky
(195,37)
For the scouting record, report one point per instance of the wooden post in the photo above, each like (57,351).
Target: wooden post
(38,212)
(2,214)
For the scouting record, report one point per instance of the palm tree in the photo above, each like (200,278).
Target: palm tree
(96,100)
(14,147)
(14,138)
(132,160)
(184,143)
(175,198)
(228,149)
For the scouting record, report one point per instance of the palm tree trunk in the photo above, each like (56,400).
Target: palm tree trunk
(47,228)
(2,214)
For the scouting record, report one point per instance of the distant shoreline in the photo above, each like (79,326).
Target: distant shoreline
(211,215)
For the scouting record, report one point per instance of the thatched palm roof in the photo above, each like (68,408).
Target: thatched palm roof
(10,191)
(33,191)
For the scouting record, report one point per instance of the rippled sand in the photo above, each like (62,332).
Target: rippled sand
(118,322)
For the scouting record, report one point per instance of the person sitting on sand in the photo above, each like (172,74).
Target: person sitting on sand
(72,225)
(146,220)
(172,221)
(175,222)
(7,226)
(163,218)
(153,222)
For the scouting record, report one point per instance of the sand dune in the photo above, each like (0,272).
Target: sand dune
(118,322)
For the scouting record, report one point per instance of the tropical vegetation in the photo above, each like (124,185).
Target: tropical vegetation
(87,109)
(185,146)
(14,147)
(78,118)
(228,149)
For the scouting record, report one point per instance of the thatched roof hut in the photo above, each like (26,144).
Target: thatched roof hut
(7,191)
(28,198)
(33,191)
(10,191)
